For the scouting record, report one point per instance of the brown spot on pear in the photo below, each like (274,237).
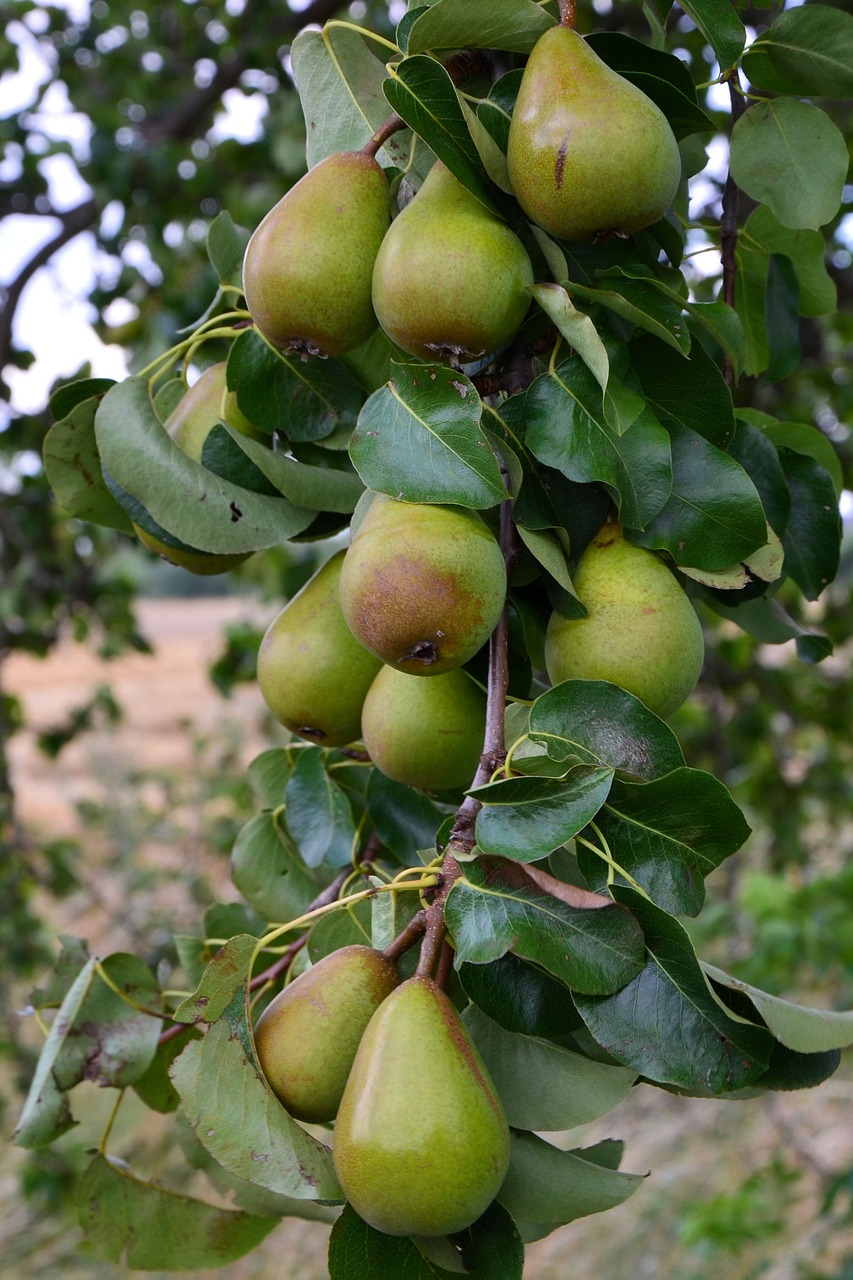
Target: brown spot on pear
(312,672)
(450,280)
(308,266)
(422,586)
(421,1143)
(641,631)
(426,733)
(307,1037)
(588,151)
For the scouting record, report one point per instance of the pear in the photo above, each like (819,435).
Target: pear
(450,280)
(426,733)
(641,631)
(588,151)
(308,266)
(421,1143)
(307,1036)
(203,563)
(313,673)
(422,586)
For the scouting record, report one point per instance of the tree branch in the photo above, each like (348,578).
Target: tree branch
(729,219)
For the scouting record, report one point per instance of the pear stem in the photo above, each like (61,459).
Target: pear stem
(567,14)
(729,217)
(386,130)
(407,939)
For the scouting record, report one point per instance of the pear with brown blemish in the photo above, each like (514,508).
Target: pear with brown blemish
(588,152)
(421,1143)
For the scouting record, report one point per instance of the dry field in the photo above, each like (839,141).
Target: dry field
(696,1150)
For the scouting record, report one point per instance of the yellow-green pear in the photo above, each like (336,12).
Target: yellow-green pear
(426,733)
(641,631)
(189,424)
(422,586)
(307,1037)
(421,1143)
(312,672)
(308,266)
(450,280)
(588,151)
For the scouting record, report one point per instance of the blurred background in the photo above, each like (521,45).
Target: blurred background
(128,710)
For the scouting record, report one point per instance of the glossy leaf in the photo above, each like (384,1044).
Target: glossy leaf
(783,318)
(567,430)
(543,1086)
(796,1026)
(666,1024)
(548,1186)
(267,870)
(318,813)
(641,303)
(314,487)
(155,1229)
(803,438)
(226,245)
(689,392)
(240,1122)
(514,25)
(594,722)
(668,835)
(767,621)
(764,235)
(759,458)
(406,820)
(792,157)
(526,818)
(419,439)
(520,997)
(720,26)
(805,51)
(813,534)
(498,905)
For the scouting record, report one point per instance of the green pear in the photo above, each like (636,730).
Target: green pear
(307,1037)
(450,280)
(308,266)
(426,733)
(313,673)
(189,424)
(588,151)
(641,631)
(422,586)
(421,1143)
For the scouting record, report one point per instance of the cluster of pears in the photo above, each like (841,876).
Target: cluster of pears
(417,593)
(448,280)
(421,1142)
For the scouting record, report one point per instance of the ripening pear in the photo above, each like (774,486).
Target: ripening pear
(189,424)
(588,151)
(426,733)
(312,672)
(307,1037)
(421,1143)
(641,631)
(308,265)
(422,586)
(450,280)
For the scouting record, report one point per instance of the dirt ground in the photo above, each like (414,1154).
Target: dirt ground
(695,1150)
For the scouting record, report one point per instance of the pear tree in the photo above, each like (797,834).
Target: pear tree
(468,352)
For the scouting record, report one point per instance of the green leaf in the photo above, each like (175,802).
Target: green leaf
(764,235)
(546,546)
(720,26)
(768,622)
(806,439)
(267,870)
(492,1248)
(67,397)
(240,1122)
(157,1229)
(226,244)
(594,722)
(547,1185)
(758,457)
(668,835)
(495,111)
(268,774)
(73,468)
(154,1088)
(419,439)
(806,51)
(499,905)
(224,976)
(96,1035)
(812,538)
(798,1027)
(340,82)
(514,25)
(792,157)
(341,929)
(318,488)
(406,820)
(689,392)
(724,326)
(714,515)
(303,400)
(519,997)
(641,303)
(318,813)
(182,495)
(541,1084)
(527,818)
(783,322)
(360,1252)
(422,93)
(567,430)
(666,1024)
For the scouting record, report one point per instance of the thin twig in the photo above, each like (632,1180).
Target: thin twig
(729,219)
